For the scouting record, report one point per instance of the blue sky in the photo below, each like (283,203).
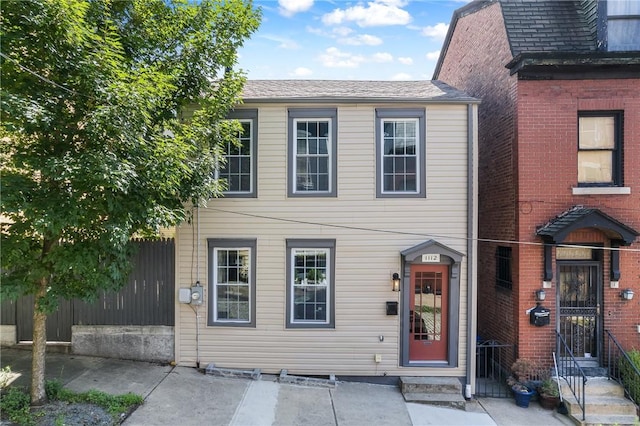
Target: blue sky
(361,40)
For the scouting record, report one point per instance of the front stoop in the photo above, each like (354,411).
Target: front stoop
(440,391)
(605,404)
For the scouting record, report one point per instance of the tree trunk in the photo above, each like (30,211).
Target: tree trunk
(38,394)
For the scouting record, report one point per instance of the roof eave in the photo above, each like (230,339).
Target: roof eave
(571,59)
(334,100)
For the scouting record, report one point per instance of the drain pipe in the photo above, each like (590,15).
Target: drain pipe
(472,248)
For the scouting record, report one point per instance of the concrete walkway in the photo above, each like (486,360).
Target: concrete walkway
(186,396)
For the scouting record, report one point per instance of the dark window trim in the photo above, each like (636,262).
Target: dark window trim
(252,115)
(402,113)
(226,243)
(618,154)
(312,113)
(330,244)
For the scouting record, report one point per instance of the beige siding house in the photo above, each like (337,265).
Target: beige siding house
(336,188)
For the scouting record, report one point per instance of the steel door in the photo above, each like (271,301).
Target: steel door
(579,307)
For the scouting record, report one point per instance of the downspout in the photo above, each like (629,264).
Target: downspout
(472,248)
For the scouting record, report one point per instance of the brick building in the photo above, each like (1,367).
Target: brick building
(559,175)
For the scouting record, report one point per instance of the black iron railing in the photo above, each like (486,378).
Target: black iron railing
(571,372)
(622,369)
(492,369)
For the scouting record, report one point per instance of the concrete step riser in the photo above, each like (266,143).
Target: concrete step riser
(597,388)
(589,393)
(609,421)
(603,409)
(430,385)
(426,388)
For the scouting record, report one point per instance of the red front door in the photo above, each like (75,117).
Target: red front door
(428,303)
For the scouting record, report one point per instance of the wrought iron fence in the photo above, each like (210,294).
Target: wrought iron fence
(622,369)
(492,369)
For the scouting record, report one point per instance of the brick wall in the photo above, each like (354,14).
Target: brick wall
(547,157)
(475,63)
(525,184)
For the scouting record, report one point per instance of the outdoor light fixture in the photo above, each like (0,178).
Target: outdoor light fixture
(395,282)
(627,294)
(540,295)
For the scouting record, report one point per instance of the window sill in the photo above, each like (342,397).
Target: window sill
(597,190)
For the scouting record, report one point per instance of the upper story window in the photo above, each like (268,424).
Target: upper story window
(232,265)
(312,152)
(599,149)
(310,283)
(239,169)
(623,25)
(400,152)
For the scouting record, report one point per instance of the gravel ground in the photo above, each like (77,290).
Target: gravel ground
(63,413)
(77,414)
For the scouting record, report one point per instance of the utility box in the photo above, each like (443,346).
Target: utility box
(197,294)
(540,316)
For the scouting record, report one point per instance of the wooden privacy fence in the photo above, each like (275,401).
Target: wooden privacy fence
(147,299)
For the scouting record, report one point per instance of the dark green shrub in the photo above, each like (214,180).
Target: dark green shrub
(53,388)
(630,379)
(15,405)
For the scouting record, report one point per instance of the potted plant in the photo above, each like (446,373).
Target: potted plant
(549,393)
(522,372)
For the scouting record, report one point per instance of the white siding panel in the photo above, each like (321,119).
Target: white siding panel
(370,233)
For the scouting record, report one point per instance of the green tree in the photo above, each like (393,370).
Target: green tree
(98,137)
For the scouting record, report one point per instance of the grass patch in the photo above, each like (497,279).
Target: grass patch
(15,403)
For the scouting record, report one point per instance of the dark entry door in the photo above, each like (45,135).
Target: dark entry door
(579,307)
(428,304)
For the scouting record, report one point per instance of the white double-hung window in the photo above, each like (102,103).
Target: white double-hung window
(400,152)
(232,282)
(310,283)
(312,152)
(240,168)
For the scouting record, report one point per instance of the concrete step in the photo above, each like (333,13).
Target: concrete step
(611,420)
(438,399)
(596,386)
(436,385)
(603,405)
(439,391)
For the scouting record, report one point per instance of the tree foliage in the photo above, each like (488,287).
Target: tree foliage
(94,143)
(99,140)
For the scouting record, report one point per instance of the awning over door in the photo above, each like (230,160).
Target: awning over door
(578,217)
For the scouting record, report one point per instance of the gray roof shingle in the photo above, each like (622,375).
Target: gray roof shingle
(548,26)
(351,90)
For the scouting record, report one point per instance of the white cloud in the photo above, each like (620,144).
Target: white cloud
(433,56)
(375,13)
(405,60)
(342,31)
(382,57)
(401,76)
(362,39)
(334,58)
(291,7)
(301,72)
(284,43)
(438,31)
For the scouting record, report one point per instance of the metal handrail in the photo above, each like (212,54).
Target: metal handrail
(621,369)
(568,363)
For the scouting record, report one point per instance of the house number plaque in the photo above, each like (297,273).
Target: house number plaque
(431,258)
